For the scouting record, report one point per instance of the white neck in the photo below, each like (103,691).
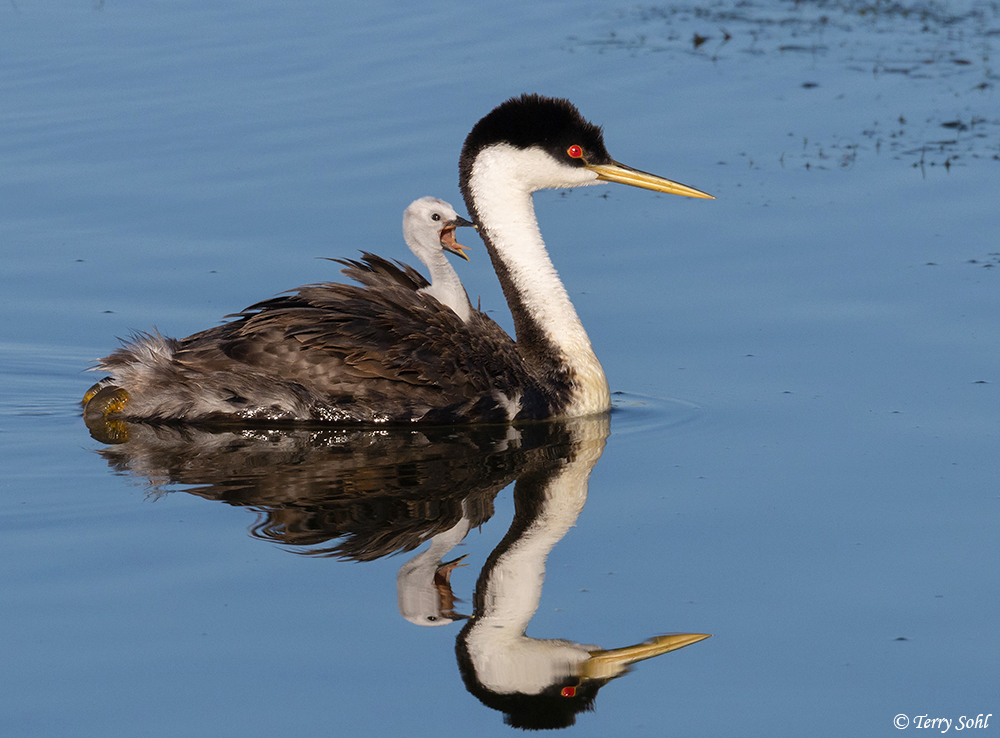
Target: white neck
(446,287)
(506,659)
(503,203)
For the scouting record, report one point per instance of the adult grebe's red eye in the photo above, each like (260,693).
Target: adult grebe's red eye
(575,151)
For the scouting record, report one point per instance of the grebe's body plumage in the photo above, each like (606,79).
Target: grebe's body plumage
(378,351)
(373,352)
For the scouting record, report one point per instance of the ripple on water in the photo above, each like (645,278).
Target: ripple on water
(43,380)
(635,413)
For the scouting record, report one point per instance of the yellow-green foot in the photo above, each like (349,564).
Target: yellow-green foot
(101,404)
(89,394)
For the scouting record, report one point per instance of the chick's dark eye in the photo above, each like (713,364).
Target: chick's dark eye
(435,217)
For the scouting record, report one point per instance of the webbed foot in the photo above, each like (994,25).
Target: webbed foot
(100,405)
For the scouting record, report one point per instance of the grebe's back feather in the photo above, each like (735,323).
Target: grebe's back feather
(373,352)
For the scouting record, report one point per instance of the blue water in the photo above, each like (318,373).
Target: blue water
(804,460)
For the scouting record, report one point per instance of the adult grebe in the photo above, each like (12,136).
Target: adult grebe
(376,353)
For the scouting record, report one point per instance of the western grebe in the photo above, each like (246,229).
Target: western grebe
(376,352)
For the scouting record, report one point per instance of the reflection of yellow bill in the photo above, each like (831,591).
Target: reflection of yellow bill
(609,664)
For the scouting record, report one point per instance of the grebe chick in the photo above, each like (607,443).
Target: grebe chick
(429,230)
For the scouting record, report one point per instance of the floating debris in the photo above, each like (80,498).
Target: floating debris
(919,40)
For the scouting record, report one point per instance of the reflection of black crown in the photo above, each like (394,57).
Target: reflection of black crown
(558,704)
(555,707)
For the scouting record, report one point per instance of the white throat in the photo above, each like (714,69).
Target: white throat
(446,287)
(506,659)
(502,181)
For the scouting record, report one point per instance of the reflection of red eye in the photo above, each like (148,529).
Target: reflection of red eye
(569,691)
(575,151)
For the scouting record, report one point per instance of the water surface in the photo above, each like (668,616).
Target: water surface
(803,463)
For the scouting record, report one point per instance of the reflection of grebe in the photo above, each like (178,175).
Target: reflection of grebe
(377,353)
(361,494)
(541,683)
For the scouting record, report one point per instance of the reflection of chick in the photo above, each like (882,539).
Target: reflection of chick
(429,230)
(423,584)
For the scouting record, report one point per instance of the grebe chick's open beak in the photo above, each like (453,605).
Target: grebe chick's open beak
(448,242)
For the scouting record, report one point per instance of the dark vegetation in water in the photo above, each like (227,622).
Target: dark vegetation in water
(941,51)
